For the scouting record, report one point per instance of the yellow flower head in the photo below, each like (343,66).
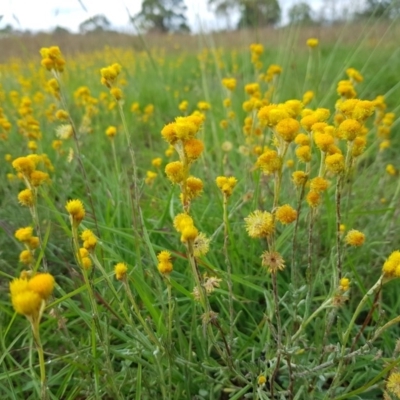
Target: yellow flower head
(183,105)
(76,210)
(38,177)
(313,199)
(189,233)
(52,58)
(111,131)
(307,97)
(299,178)
(185,128)
(391,267)
(26,257)
(354,74)
(203,105)
(194,187)
(42,284)
(169,133)
(286,214)
(24,165)
(335,163)
(269,162)
(303,153)
(193,148)
(26,197)
(164,262)
(24,234)
(344,284)
(175,171)
(181,221)
(89,239)
(27,303)
(355,238)
(391,170)
(302,139)
(120,270)
(259,224)
(229,83)
(312,42)
(116,93)
(288,128)
(323,141)
(226,185)
(156,162)
(319,184)
(349,129)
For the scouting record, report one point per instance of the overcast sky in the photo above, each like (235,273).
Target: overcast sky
(46,14)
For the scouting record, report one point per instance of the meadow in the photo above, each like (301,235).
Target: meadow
(207,217)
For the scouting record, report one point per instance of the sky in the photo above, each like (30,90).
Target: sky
(44,15)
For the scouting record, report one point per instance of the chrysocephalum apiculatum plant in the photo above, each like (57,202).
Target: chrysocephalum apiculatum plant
(271,297)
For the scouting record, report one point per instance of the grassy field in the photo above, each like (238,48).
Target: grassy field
(255,299)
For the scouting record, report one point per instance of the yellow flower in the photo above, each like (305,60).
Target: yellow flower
(288,128)
(156,162)
(344,284)
(312,42)
(150,177)
(42,284)
(273,261)
(303,153)
(259,224)
(355,238)
(27,303)
(335,163)
(307,97)
(164,262)
(299,178)
(319,184)
(120,270)
(116,93)
(302,139)
(52,58)
(25,257)
(286,214)
(76,210)
(193,148)
(203,105)
(111,131)
(194,187)
(261,380)
(24,165)
(391,170)
(26,197)
(183,105)
(229,83)
(269,162)
(189,233)
(354,74)
(175,171)
(38,177)
(181,221)
(391,267)
(62,115)
(226,185)
(313,199)
(89,239)
(24,234)
(349,129)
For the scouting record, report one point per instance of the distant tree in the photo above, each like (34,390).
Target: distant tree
(162,16)
(96,23)
(225,9)
(376,8)
(300,13)
(259,13)
(252,12)
(59,30)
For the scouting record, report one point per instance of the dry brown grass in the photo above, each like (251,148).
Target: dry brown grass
(26,46)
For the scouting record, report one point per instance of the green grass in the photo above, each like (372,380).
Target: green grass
(115,356)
